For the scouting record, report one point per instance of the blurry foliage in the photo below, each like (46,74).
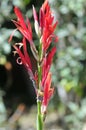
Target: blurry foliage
(77,116)
(3,113)
(69,67)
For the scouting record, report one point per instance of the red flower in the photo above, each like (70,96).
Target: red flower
(44,27)
(48,92)
(47,24)
(23,57)
(47,64)
(24,28)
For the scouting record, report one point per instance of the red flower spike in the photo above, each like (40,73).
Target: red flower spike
(48,92)
(44,27)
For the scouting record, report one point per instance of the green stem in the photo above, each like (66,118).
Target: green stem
(39,66)
(39,115)
(39,75)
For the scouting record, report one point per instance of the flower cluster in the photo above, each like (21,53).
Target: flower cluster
(44,27)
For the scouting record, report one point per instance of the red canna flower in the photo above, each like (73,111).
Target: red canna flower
(24,28)
(23,57)
(48,92)
(45,26)
(48,25)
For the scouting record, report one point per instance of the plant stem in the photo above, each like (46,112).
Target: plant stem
(39,100)
(39,117)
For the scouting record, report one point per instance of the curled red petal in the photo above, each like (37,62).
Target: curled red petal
(21,55)
(19,61)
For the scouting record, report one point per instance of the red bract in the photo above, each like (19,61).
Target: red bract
(24,28)
(48,92)
(23,57)
(45,25)
(48,25)
(36,23)
(47,64)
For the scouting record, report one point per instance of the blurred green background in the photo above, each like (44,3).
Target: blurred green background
(68,68)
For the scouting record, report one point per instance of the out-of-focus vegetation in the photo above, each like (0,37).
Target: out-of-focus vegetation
(69,66)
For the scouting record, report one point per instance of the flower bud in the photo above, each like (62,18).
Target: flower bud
(37,28)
